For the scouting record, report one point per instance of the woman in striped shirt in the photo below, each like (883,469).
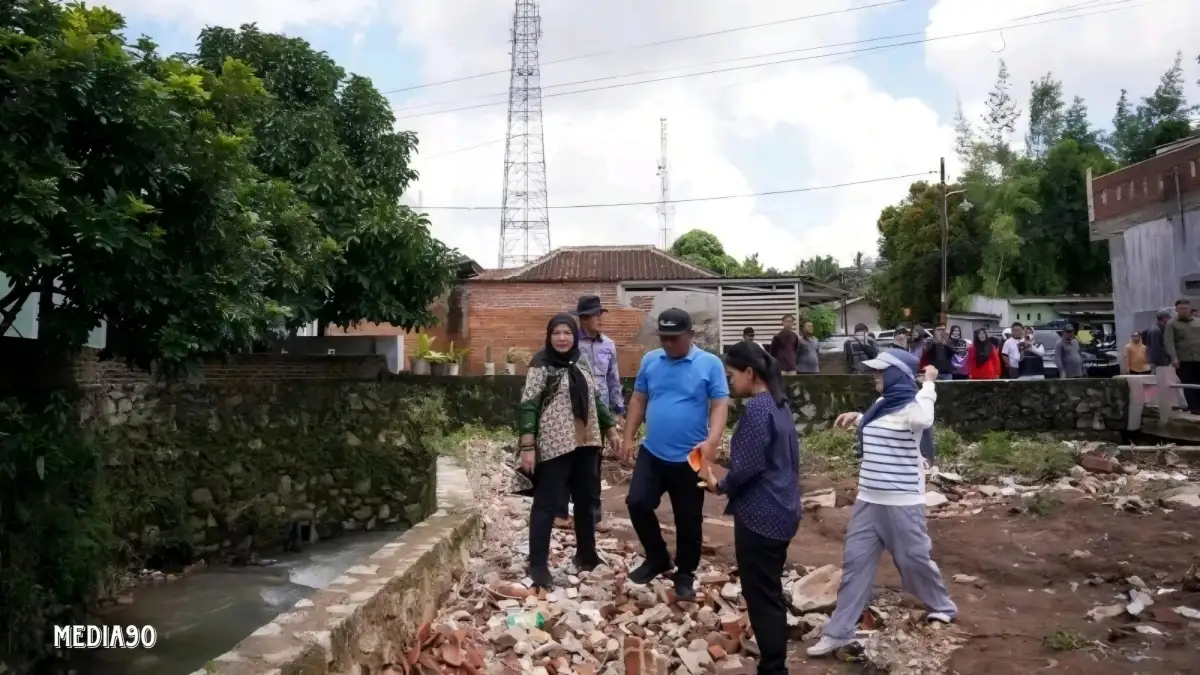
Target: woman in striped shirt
(896,446)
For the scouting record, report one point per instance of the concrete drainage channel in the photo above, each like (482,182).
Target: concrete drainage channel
(369,615)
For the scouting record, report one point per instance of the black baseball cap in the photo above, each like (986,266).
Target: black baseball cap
(673,321)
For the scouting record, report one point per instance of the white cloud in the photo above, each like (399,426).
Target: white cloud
(760,129)
(1094,56)
(270,15)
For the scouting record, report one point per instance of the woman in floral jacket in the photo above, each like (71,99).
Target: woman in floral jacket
(562,423)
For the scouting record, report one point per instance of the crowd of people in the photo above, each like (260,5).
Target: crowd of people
(571,407)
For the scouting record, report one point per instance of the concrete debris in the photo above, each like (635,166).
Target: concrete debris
(1186,496)
(493,622)
(819,499)
(935,499)
(1188,613)
(1106,612)
(817,591)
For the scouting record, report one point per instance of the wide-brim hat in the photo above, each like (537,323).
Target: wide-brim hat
(589,305)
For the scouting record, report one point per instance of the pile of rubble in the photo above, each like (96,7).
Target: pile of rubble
(1142,605)
(598,623)
(1127,486)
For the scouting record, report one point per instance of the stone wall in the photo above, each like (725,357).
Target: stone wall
(968,407)
(212,468)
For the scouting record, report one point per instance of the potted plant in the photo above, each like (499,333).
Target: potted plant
(514,356)
(420,360)
(439,363)
(455,358)
(489,366)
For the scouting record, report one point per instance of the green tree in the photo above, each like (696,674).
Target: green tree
(332,137)
(1000,118)
(824,320)
(822,268)
(131,197)
(705,250)
(1161,118)
(1046,116)
(908,270)
(1077,127)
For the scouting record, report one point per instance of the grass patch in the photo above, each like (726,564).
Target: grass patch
(831,452)
(454,443)
(1042,504)
(999,453)
(947,445)
(1064,641)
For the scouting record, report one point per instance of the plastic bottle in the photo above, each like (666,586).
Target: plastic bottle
(526,620)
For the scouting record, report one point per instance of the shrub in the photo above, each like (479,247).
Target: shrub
(56,538)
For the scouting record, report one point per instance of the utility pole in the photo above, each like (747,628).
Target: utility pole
(525,218)
(664,188)
(945,241)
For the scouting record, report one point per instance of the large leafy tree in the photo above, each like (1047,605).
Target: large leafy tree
(332,136)
(703,249)
(1026,231)
(130,196)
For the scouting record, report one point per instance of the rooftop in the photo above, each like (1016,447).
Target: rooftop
(601,263)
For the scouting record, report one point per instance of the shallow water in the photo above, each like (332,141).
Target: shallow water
(204,614)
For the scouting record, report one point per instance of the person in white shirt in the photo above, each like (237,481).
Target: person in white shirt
(1011,351)
(896,446)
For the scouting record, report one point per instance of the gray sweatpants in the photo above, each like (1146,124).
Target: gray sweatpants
(901,531)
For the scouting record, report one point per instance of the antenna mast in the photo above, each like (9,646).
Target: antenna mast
(665,208)
(524,218)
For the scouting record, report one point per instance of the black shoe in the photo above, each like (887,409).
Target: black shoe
(542,578)
(647,571)
(585,564)
(685,586)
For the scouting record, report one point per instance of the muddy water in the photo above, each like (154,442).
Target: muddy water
(204,614)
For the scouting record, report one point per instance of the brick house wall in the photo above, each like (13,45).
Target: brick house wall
(505,314)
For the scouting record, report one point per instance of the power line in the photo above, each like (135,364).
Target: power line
(784,61)
(567,124)
(657,202)
(454,152)
(656,44)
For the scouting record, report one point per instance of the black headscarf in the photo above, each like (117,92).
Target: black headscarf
(983,349)
(959,344)
(549,357)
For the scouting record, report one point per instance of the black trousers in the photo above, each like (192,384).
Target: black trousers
(565,500)
(760,563)
(1189,373)
(651,478)
(573,473)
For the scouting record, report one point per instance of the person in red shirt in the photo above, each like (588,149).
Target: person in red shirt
(983,359)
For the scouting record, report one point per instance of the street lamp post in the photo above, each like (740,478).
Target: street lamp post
(946,240)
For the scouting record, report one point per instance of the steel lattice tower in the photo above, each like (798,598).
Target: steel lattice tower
(665,208)
(524,218)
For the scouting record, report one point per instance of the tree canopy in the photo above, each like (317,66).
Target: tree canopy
(198,204)
(1018,221)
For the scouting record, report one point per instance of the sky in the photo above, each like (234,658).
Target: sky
(827,116)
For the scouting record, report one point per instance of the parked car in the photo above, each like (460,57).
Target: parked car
(1100,358)
(833,343)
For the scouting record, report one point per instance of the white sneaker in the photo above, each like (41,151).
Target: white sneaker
(939,617)
(826,646)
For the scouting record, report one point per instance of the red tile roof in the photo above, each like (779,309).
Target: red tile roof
(601,263)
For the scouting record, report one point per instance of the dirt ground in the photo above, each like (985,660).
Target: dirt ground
(1033,582)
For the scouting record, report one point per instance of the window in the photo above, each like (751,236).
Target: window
(1039,316)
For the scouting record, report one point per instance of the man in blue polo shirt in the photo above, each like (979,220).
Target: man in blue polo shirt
(682,394)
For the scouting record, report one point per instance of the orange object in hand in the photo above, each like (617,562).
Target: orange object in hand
(696,460)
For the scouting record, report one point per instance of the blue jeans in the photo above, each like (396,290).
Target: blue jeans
(945,376)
